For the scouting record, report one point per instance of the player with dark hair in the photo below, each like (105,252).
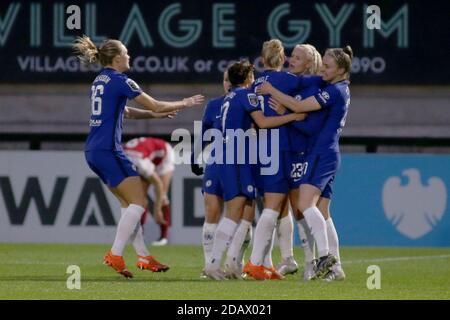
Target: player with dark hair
(213,195)
(239,110)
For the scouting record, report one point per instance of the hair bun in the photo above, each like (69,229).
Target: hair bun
(348,50)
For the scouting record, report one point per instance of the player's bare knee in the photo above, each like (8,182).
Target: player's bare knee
(303,205)
(140,201)
(212,214)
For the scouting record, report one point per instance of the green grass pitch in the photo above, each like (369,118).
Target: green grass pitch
(38,271)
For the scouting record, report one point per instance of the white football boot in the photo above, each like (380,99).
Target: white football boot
(161,242)
(287,266)
(233,269)
(214,273)
(336,274)
(310,270)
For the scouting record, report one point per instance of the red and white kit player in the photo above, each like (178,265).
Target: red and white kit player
(154,161)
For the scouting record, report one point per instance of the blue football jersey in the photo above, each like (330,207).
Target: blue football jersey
(109,94)
(212,115)
(311,81)
(210,120)
(335,99)
(304,133)
(237,106)
(285,82)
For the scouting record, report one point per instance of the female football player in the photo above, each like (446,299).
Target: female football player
(273,185)
(323,160)
(103,150)
(304,60)
(239,109)
(155,161)
(213,196)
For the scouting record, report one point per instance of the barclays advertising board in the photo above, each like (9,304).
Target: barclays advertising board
(379,200)
(393,200)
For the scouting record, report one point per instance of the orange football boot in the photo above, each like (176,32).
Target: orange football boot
(150,263)
(257,272)
(117,263)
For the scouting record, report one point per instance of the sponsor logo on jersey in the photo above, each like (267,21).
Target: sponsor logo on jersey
(324,96)
(133,85)
(252,99)
(95,123)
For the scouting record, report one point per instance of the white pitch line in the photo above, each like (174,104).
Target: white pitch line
(42,263)
(443,256)
(345,262)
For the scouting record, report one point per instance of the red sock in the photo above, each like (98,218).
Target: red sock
(166,216)
(144,217)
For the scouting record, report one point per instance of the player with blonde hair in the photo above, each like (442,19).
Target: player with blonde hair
(239,109)
(275,186)
(104,154)
(323,158)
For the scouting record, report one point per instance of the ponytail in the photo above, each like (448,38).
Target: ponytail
(88,52)
(348,50)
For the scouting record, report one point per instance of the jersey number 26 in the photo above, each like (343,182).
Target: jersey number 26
(96,99)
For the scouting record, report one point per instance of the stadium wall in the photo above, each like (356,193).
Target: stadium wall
(379,200)
(375,111)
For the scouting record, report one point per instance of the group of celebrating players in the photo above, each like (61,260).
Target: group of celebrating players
(305,108)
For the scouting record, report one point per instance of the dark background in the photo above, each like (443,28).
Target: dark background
(422,62)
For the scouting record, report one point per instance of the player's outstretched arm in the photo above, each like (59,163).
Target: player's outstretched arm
(272,122)
(134,113)
(165,106)
(307,105)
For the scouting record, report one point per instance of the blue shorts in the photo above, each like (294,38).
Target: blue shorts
(296,168)
(257,180)
(237,180)
(211,182)
(321,170)
(277,182)
(111,166)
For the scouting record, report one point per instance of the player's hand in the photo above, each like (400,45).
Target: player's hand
(196,169)
(264,88)
(165,201)
(170,115)
(159,218)
(194,100)
(278,107)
